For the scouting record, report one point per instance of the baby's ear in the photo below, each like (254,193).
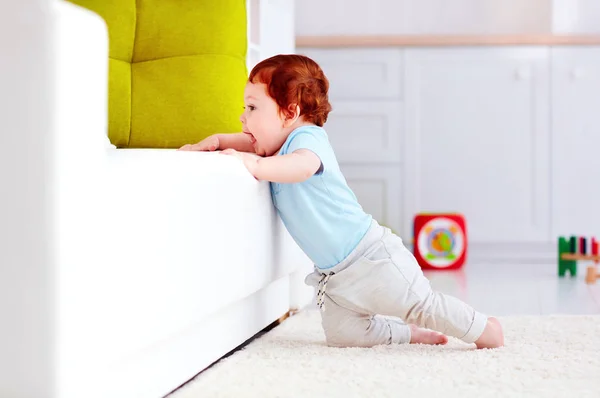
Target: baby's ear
(292,114)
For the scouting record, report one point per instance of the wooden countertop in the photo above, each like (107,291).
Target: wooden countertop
(446,40)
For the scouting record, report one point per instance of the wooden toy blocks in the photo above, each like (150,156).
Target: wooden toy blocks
(577,249)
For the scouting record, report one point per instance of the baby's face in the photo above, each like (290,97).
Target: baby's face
(261,120)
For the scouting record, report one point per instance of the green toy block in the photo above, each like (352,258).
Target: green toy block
(573,247)
(564,246)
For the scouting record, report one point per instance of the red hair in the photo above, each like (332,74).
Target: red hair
(295,80)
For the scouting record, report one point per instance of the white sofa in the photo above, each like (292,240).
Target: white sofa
(123,272)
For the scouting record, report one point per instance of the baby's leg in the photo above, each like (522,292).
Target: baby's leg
(347,328)
(387,280)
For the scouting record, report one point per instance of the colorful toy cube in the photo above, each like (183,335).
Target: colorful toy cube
(440,240)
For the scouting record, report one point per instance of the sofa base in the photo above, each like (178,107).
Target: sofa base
(155,371)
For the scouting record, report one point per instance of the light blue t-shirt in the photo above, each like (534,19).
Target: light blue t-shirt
(322,213)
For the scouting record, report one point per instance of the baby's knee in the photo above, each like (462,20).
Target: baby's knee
(348,334)
(342,340)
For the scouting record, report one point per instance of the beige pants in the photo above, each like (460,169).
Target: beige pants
(370,297)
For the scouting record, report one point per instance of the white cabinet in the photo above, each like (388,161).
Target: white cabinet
(365,126)
(507,135)
(575,141)
(477,139)
(373,74)
(366,131)
(365,91)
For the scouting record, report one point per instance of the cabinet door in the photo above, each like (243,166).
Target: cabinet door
(477,139)
(575,141)
(377,189)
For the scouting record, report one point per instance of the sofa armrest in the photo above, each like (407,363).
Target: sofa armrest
(53,83)
(82,83)
(79,148)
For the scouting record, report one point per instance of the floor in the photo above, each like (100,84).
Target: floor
(519,289)
(548,357)
(498,289)
(507,288)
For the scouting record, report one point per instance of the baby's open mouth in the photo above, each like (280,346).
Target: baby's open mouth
(252,139)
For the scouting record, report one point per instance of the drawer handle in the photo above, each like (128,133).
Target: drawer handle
(522,74)
(576,73)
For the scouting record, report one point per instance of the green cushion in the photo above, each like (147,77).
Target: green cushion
(177,69)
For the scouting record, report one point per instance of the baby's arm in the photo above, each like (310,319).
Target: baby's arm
(238,141)
(297,166)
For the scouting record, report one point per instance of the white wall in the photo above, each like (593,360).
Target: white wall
(382,17)
(576,16)
(270,29)
(314,17)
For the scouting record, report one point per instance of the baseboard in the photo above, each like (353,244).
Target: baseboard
(529,252)
(301,294)
(511,252)
(160,369)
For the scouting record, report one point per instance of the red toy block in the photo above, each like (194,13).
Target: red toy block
(440,240)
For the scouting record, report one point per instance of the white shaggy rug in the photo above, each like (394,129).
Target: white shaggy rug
(557,356)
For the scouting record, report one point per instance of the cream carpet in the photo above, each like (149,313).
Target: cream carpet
(556,356)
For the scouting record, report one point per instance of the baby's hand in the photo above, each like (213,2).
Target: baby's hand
(250,160)
(210,144)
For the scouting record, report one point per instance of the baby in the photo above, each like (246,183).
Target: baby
(370,289)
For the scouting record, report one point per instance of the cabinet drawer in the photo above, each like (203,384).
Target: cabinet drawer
(362,131)
(377,189)
(370,73)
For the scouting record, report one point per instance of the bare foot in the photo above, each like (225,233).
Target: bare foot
(424,336)
(492,336)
